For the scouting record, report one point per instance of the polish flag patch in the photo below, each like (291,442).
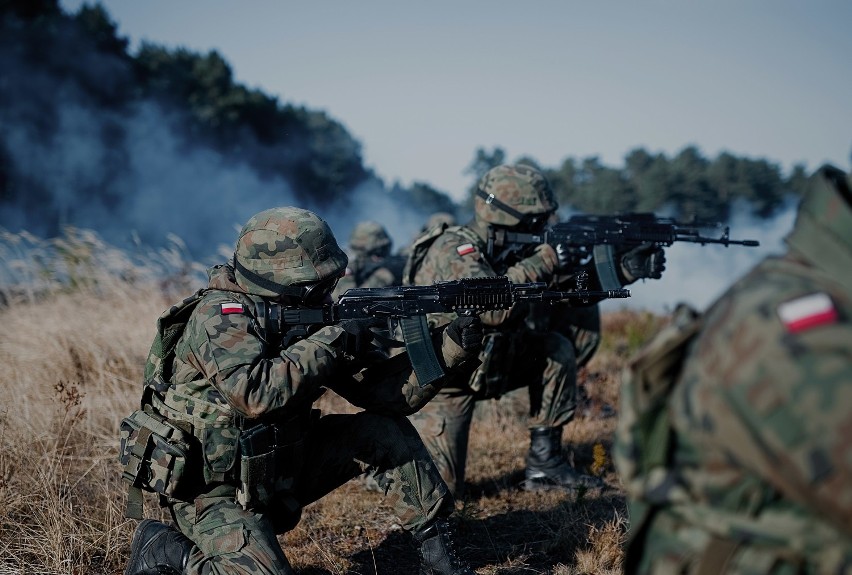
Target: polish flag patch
(228,308)
(806,312)
(465,249)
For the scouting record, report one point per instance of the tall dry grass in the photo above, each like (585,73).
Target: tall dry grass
(78,318)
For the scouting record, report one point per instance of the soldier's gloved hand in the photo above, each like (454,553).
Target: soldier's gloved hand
(466,331)
(645,261)
(358,336)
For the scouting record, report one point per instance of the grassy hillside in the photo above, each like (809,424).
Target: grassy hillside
(73,352)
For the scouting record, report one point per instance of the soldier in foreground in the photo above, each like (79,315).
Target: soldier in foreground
(734,439)
(514,355)
(227,434)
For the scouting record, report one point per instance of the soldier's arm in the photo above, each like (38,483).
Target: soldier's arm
(252,380)
(773,395)
(391,386)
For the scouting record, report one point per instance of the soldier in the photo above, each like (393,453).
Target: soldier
(227,434)
(740,461)
(372,264)
(514,356)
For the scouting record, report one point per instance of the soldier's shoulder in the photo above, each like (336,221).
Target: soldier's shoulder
(222,307)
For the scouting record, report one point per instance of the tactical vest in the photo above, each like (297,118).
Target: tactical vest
(174,444)
(158,453)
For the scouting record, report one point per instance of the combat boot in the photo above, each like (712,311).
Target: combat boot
(158,549)
(547,468)
(437,550)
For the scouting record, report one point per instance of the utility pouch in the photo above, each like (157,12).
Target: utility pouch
(489,379)
(156,454)
(269,462)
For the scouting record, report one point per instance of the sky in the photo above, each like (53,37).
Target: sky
(423,85)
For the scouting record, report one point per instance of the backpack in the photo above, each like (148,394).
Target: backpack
(644,436)
(170,326)
(421,246)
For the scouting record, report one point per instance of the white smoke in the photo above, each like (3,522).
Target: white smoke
(697,274)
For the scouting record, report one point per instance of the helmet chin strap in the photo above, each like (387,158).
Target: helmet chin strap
(491,200)
(299,292)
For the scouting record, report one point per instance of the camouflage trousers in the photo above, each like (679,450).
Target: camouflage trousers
(544,364)
(581,325)
(235,541)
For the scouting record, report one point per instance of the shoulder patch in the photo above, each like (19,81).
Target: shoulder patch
(229,308)
(465,249)
(807,312)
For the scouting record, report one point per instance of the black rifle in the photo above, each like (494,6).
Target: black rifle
(407,306)
(596,238)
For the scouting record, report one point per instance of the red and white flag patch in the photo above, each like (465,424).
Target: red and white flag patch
(228,308)
(807,312)
(465,249)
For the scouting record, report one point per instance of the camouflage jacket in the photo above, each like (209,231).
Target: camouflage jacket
(760,477)
(225,377)
(459,252)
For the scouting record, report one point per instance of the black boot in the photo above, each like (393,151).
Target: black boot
(437,551)
(158,549)
(547,468)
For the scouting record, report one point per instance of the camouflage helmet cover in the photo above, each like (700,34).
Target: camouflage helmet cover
(370,237)
(523,189)
(280,247)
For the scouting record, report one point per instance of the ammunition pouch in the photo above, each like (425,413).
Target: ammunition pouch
(157,455)
(490,378)
(271,458)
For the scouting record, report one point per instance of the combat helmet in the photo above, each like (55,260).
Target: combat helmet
(286,251)
(370,238)
(509,195)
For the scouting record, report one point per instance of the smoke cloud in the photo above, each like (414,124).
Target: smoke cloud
(698,275)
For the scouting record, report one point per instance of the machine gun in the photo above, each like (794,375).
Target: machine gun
(597,238)
(406,307)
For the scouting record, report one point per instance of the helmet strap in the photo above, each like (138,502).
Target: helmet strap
(491,200)
(268,285)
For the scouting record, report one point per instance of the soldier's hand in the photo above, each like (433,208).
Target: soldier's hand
(358,336)
(466,331)
(645,261)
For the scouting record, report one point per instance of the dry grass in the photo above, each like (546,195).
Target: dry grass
(77,326)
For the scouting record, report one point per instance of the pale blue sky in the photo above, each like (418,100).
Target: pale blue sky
(423,84)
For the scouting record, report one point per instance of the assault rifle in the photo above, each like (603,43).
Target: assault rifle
(595,237)
(406,307)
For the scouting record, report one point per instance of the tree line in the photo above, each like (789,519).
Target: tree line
(314,153)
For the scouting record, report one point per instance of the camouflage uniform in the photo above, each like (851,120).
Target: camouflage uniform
(372,264)
(226,379)
(525,355)
(749,469)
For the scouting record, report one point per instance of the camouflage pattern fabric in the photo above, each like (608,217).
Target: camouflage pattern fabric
(444,423)
(581,325)
(233,541)
(227,378)
(371,265)
(522,188)
(280,247)
(760,456)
